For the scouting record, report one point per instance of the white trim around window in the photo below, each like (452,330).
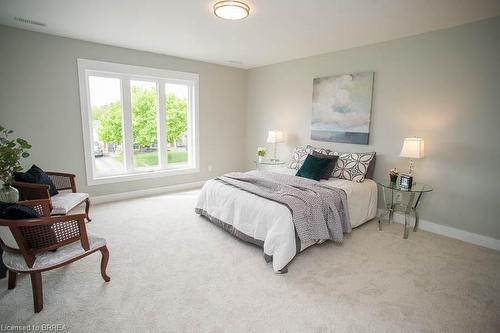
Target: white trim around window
(125,74)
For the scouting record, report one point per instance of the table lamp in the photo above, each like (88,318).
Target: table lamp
(412,148)
(275,137)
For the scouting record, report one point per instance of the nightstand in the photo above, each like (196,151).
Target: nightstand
(414,195)
(268,165)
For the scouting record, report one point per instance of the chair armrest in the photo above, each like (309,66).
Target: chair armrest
(47,233)
(42,206)
(7,248)
(30,191)
(64,174)
(63,181)
(42,220)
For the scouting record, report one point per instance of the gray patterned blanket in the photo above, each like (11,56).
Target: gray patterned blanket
(318,212)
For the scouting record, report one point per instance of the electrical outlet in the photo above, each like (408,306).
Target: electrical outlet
(210,168)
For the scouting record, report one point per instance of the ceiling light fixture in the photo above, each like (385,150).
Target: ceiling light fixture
(231,10)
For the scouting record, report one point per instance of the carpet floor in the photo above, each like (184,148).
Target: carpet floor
(173,271)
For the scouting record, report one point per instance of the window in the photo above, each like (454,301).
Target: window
(138,122)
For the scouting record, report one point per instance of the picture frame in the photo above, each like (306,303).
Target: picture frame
(341,108)
(405,181)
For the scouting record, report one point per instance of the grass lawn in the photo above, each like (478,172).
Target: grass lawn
(179,156)
(151,158)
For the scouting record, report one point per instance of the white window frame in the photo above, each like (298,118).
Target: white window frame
(126,73)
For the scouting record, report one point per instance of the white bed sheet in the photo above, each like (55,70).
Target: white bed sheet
(271,222)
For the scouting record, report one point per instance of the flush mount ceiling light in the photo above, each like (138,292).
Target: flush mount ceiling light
(231,10)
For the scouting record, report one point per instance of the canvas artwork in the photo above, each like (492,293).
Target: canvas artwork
(341,108)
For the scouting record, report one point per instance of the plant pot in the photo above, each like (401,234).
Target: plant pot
(260,158)
(9,194)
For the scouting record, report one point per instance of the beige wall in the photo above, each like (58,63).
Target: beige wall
(39,99)
(443,86)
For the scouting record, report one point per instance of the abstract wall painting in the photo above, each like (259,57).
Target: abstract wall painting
(341,108)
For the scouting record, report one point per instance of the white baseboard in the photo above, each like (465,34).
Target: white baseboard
(144,193)
(455,233)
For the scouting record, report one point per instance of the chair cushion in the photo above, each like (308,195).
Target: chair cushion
(48,259)
(63,202)
(13,211)
(36,175)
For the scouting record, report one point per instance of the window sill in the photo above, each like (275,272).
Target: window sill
(142,175)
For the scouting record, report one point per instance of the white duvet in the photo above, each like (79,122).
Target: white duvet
(271,222)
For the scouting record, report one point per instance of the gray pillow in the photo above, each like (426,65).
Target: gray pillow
(371,168)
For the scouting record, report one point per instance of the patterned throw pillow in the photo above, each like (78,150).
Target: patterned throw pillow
(298,157)
(300,154)
(352,166)
(323,151)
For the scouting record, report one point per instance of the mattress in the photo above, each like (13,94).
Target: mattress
(268,223)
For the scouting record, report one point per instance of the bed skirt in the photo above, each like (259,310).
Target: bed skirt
(244,237)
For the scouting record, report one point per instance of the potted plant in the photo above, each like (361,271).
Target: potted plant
(261,152)
(393,174)
(11,152)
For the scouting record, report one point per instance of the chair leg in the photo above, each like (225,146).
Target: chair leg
(87,208)
(104,263)
(12,280)
(36,284)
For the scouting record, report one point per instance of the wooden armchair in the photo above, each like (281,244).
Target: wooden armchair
(61,203)
(29,248)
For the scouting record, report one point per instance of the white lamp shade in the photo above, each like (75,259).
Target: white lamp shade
(275,136)
(413,148)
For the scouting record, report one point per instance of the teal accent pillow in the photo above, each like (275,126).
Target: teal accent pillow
(313,167)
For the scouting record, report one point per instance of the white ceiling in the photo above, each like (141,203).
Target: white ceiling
(275,31)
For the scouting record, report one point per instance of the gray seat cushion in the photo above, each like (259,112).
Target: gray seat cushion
(63,202)
(48,259)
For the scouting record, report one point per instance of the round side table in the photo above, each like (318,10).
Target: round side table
(415,193)
(267,164)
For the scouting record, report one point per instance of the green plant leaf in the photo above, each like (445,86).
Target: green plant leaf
(11,151)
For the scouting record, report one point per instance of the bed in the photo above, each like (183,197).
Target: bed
(269,224)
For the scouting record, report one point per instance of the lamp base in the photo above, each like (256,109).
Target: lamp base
(411,167)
